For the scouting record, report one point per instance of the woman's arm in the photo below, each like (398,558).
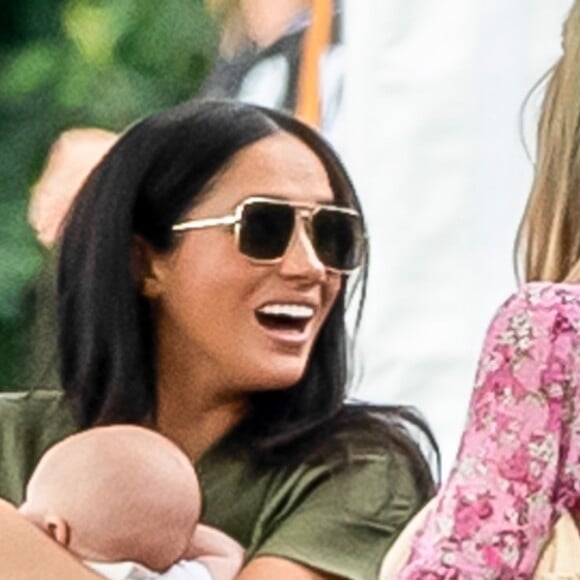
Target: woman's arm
(27,554)
(518,462)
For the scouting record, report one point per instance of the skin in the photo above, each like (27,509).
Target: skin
(72,157)
(26,553)
(122,471)
(194,343)
(264,25)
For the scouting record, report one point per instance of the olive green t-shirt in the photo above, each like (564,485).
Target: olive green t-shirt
(337,518)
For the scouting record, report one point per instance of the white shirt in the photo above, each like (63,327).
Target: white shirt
(183,570)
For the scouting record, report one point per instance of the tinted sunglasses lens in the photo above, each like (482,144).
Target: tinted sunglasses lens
(338,239)
(265,230)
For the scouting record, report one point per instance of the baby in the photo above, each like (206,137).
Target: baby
(127,501)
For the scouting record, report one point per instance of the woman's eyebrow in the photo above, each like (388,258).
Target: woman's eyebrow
(282,197)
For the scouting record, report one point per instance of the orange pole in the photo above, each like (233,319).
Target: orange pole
(315,42)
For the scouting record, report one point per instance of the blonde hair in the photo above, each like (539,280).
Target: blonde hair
(548,240)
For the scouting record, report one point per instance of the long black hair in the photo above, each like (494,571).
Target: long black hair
(151,177)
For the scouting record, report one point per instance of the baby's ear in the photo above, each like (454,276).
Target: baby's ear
(58,529)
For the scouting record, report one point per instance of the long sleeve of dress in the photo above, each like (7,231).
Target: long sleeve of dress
(519,460)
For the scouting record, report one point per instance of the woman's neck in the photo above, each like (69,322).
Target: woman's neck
(193,428)
(197,404)
(195,408)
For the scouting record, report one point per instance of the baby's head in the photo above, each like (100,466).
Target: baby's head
(116,493)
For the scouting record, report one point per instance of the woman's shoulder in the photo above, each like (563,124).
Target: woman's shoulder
(31,397)
(542,295)
(30,422)
(365,483)
(339,516)
(26,408)
(541,304)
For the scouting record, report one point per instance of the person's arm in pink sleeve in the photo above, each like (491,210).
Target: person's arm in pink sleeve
(517,466)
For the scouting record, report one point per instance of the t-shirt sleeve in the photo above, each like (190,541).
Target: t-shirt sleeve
(340,521)
(517,466)
(29,424)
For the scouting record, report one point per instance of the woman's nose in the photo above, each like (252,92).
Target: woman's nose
(301,259)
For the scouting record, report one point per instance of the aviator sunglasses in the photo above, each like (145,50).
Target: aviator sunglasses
(264,228)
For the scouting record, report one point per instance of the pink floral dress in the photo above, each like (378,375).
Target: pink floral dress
(519,460)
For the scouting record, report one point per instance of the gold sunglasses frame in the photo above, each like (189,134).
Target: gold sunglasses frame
(305,211)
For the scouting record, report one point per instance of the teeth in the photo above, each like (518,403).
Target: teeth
(290,310)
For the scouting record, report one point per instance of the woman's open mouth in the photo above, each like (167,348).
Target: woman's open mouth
(285,321)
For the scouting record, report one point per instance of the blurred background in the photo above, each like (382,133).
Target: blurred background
(425,101)
(69,63)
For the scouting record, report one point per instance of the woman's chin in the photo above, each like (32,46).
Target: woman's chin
(281,376)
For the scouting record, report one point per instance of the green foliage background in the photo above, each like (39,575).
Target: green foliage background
(72,63)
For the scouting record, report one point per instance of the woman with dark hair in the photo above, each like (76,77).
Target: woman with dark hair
(204,274)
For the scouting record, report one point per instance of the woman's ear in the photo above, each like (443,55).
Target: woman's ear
(147,268)
(58,529)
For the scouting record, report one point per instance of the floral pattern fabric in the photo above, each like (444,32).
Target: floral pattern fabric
(518,464)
